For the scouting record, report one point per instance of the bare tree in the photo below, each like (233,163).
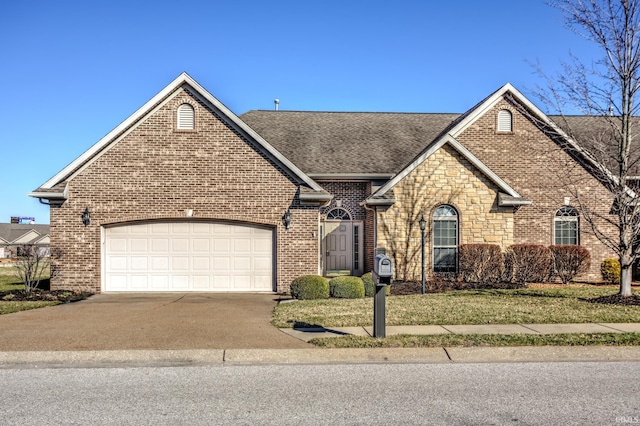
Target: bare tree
(605,91)
(32,265)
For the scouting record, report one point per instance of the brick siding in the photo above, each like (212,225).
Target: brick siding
(155,172)
(349,195)
(538,169)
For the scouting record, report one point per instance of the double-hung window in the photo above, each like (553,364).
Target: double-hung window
(566,226)
(445,239)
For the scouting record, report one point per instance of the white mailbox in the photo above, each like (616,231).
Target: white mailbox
(383,266)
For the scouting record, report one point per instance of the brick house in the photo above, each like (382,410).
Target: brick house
(186,196)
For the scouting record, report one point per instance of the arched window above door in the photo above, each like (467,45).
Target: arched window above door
(338,214)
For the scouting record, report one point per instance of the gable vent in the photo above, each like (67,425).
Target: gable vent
(186,119)
(505,121)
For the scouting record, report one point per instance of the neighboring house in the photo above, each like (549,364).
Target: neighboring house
(13,235)
(186,196)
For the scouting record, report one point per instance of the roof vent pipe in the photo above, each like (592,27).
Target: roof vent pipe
(276,102)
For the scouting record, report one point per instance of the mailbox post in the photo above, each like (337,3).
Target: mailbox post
(382,275)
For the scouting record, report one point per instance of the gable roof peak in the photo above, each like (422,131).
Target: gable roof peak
(72,168)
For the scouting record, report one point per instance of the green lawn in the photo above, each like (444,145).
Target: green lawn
(521,306)
(9,307)
(9,282)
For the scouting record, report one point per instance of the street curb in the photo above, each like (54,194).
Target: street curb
(220,357)
(114,357)
(324,356)
(544,354)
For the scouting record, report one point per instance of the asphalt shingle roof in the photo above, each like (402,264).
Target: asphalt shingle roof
(348,142)
(12,231)
(595,134)
(377,142)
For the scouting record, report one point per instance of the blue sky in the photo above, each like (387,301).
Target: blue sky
(72,71)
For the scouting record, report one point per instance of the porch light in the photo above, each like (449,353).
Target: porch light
(286,219)
(86,217)
(423,223)
(423,226)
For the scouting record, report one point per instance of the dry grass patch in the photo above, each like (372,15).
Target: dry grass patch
(568,304)
(9,307)
(466,340)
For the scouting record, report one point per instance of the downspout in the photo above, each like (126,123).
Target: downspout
(375,223)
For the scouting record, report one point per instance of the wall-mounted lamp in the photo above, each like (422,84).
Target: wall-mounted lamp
(86,217)
(286,219)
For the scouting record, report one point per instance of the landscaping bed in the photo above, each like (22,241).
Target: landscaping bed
(14,298)
(63,296)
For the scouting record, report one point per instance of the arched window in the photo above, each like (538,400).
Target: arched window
(505,121)
(566,226)
(445,239)
(186,117)
(338,214)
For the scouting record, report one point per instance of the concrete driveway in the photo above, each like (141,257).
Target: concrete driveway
(148,321)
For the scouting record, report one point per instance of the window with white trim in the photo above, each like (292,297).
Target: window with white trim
(445,239)
(338,214)
(505,121)
(566,226)
(186,117)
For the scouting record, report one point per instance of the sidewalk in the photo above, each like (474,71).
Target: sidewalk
(307,334)
(310,355)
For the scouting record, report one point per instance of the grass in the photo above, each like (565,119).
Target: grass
(9,282)
(451,340)
(557,305)
(9,307)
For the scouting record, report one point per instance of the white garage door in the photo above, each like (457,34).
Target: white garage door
(188,256)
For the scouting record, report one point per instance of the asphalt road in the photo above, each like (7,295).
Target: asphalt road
(447,394)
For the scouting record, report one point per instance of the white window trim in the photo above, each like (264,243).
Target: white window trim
(433,245)
(335,209)
(186,117)
(505,118)
(566,218)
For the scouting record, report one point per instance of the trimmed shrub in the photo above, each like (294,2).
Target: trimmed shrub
(309,287)
(508,259)
(569,261)
(369,286)
(480,263)
(531,263)
(610,269)
(346,287)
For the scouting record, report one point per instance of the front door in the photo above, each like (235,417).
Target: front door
(338,247)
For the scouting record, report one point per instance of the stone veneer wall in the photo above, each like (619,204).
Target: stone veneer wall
(155,172)
(445,177)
